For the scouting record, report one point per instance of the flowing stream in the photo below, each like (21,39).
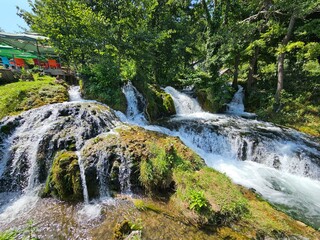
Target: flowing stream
(281,164)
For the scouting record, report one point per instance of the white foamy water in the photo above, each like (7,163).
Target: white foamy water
(280,164)
(16,206)
(236,105)
(135,105)
(183,103)
(74,94)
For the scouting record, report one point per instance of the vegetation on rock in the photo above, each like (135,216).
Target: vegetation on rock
(64,181)
(159,103)
(179,187)
(21,96)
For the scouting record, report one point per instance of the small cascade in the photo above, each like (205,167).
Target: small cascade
(136,105)
(281,164)
(103,172)
(236,105)
(183,103)
(75,94)
(83,179)
(124,176)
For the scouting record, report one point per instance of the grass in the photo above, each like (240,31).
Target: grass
(211,195)
(21,96)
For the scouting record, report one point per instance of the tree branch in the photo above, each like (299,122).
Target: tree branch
(263,12)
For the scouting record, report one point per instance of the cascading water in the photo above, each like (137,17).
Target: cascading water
(182,102)
(236,105)
(136,104)
(74,94)
(281,164)
(83,179)
(29,142)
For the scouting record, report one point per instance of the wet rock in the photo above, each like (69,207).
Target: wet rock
(34,137)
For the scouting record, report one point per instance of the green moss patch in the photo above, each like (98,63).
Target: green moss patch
(21,96)
(64,181)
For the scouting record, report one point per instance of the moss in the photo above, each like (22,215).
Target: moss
(64,181)
(9,235)
(124,228)
(22,96)
(159,103)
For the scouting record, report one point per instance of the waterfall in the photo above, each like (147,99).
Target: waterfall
(28,147)
(74,94)
(136,105)
(281,164)
(182,102)
(83,179)
(124,176)
(103,167)
(236,105)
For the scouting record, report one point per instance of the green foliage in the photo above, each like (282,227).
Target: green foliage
(8,235)
(184,43)
(156,173)
(102,81)
(27,233)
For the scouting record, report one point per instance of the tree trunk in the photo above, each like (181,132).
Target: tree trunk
(226,14)
(252,70)
(208,16)
(281,58)
(236,71)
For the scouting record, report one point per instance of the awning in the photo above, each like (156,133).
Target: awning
(10,52)
(29,42)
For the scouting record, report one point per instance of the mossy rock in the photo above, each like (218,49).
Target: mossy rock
(121,230)
(159,103)
(64,180)
(207,101)
(150,156)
